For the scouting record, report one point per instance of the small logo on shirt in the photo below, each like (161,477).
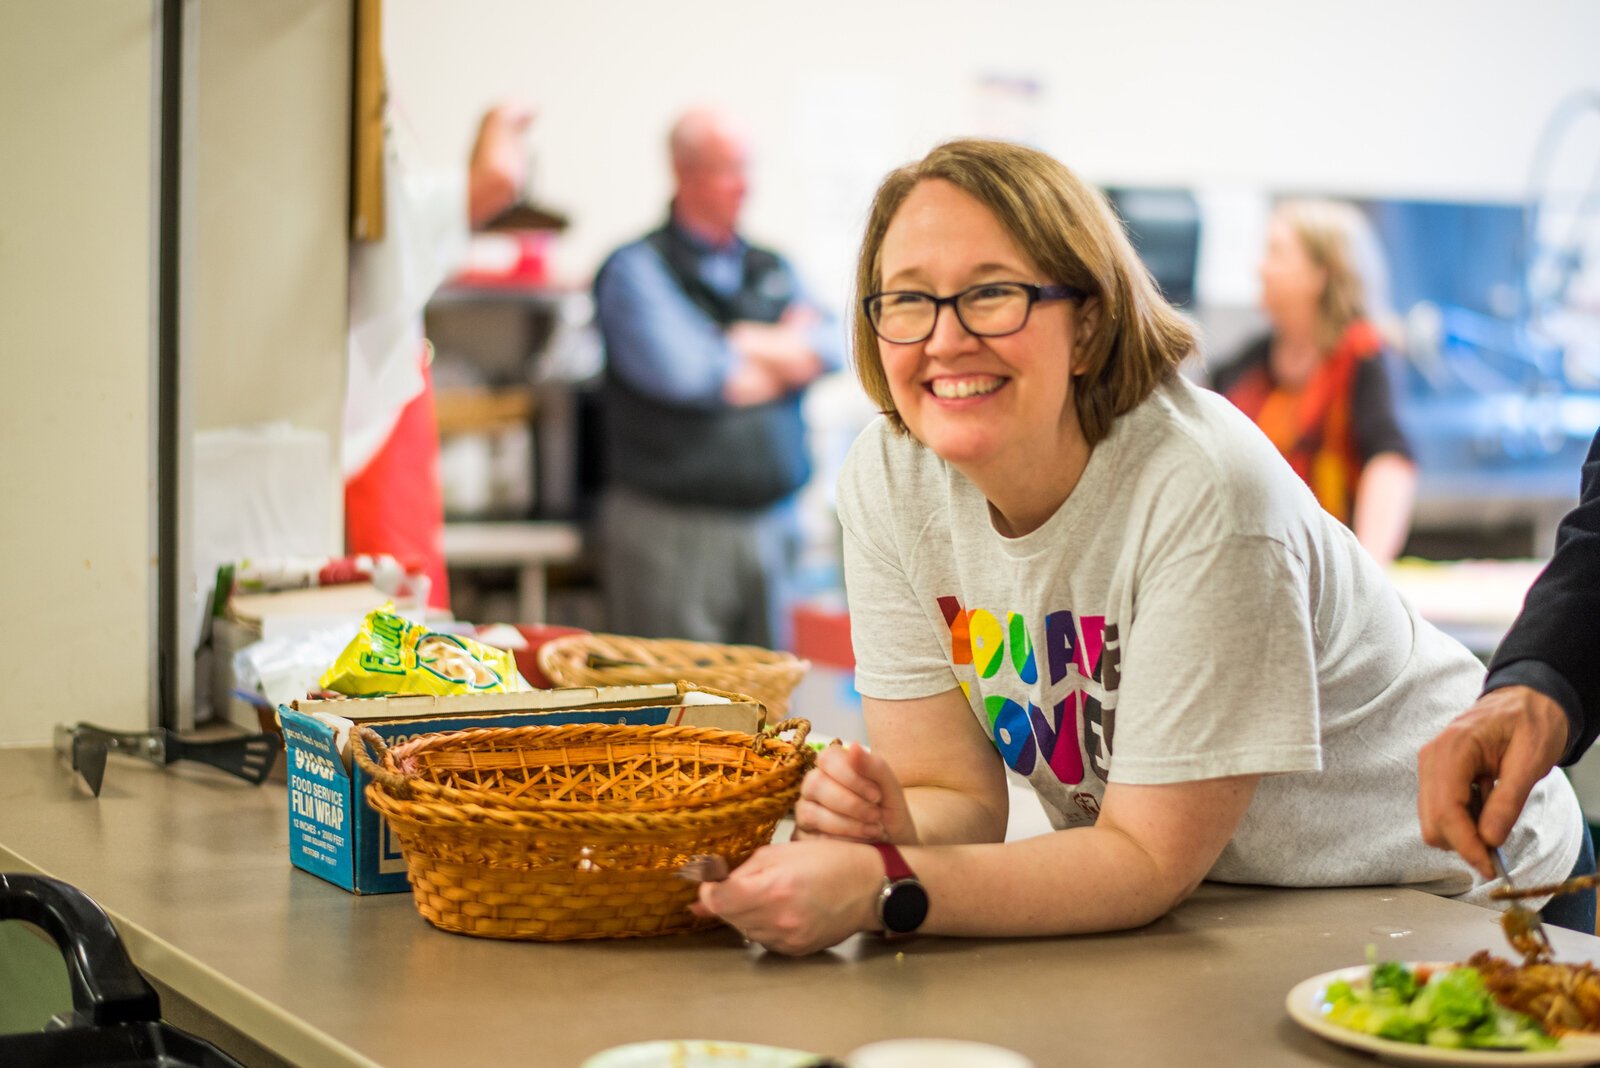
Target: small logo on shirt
(1087,804)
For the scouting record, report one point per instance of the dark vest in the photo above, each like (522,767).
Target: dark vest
(727,457)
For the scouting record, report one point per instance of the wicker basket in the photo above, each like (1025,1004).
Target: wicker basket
(615,660)
(577,831)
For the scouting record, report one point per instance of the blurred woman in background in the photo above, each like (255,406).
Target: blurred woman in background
(1316,385)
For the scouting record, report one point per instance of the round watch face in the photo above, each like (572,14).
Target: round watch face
(903,907)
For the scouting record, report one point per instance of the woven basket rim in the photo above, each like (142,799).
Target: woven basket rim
(766,675)
(445,815)
(789,762)
(739,655)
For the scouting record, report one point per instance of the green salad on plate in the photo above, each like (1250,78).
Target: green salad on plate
(1447,1007)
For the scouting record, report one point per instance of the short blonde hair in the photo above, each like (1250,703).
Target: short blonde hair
(1338,239)
(1069,231)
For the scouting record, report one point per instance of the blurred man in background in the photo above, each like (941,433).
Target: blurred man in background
(710,344)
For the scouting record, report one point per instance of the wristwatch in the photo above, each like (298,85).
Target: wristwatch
(902,903)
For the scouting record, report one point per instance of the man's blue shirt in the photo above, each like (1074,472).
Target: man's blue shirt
(662,345)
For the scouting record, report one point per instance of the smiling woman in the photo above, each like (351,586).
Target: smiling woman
(1069,236)
(1065,560)
(991,398)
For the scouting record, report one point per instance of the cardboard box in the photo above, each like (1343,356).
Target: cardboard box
(335,834)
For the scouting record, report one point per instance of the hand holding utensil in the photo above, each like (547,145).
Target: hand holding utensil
(1521,924)
(704,868)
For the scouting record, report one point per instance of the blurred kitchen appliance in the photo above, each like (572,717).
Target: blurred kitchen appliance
(1164,226)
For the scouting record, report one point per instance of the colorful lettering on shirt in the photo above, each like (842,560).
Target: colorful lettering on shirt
(1021,649)
(1060,644)
(1073,642)
(1081,655)
(1099,723)
(1090,649)
(1097,730)
(1058,740)
(988,642)
(1110,670)
(956,619)
(1008,726)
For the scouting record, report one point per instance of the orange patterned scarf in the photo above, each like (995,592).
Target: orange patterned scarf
(1312,426)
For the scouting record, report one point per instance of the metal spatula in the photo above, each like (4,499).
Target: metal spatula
(85,747)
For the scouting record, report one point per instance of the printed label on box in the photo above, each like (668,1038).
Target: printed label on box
(321,824)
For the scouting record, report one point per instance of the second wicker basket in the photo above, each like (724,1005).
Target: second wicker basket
(767,675)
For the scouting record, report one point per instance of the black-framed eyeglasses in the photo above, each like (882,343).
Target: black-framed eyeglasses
(992,309)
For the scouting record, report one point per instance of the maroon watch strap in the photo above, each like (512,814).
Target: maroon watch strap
(894,865)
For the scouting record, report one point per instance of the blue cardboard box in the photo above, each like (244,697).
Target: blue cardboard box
(335,834)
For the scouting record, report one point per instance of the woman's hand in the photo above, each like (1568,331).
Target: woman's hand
(853,795)
(799,897)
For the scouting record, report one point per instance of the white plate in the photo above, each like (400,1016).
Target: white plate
(934,1053)
(699,1053)
(1306,1006)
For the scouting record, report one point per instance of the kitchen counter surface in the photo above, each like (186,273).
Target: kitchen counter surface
(1473,601)
(194,869)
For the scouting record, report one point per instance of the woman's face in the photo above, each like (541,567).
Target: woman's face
(1291,282)
(997,405)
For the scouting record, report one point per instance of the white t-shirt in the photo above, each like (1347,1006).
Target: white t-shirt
(1189,612)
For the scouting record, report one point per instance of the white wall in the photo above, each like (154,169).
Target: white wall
(270,279)
(77,240)
(267,294)
(264,308)
(1427,98)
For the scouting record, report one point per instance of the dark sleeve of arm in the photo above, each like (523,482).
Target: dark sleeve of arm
(1374,418)
(1554,646)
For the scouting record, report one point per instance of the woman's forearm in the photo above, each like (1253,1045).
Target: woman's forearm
(1384,496)
(1149,849)
(945,816)
(1069,882)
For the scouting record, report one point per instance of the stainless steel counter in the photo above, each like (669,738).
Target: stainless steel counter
(194,869)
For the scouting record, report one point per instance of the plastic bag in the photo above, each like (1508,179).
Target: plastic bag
(392,655)
(278,670)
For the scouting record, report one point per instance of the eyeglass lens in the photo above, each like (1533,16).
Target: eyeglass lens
(989,310)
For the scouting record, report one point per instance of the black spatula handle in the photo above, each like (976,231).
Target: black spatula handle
(250,758)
